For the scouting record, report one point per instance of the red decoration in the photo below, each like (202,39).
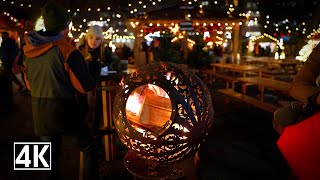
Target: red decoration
(300,145)
(207,39)
(22,22)
(150,29)
(6,22)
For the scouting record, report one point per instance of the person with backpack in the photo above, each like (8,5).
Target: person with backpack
(58,78)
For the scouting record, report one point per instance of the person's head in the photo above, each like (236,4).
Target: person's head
(94,36)
(55,17)
(5,35)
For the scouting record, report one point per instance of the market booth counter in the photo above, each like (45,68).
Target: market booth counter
(100,113)
(108,84)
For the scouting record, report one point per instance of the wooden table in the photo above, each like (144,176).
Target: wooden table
(274,61)
(234,68)
(264,83)
(288,65)
(240,68)
(102,97)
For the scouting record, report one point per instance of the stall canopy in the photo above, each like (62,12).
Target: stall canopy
(192,19)
(266,41)
(12,26)
(265,38)
(5,22)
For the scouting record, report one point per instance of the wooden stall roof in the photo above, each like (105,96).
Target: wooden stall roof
(176,14)
(8,25)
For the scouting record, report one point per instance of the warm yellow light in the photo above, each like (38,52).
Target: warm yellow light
(39,24)
(174,29)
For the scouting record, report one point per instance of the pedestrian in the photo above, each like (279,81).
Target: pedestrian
(9,52)
(58,78)
(305,89)
(145,49)
(298,124)
(92,47)
(218,53)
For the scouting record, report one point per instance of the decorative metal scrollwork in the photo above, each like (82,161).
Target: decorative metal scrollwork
(191,114)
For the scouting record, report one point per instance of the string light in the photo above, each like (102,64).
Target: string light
(135,7)
(13,19)
(264,35)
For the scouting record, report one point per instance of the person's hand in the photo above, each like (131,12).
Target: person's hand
(196,161)
(318,99)
(88,58)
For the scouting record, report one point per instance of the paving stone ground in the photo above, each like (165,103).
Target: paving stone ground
(240,145)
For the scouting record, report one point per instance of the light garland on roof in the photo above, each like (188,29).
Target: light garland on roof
(13,19)
(265,35)
(314,33)
(134,7)
(306,50)
(160,26)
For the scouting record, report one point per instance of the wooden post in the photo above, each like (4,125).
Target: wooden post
(81,166)
(107,118)
(261,88)
(236,38)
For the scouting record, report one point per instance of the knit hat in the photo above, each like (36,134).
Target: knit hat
(55,17)
(95,31)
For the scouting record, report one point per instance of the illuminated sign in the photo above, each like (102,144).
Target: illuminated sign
(186,26)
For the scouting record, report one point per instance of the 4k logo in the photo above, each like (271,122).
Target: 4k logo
(32,155)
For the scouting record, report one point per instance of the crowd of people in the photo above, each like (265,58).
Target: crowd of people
(258,50)
(60,77)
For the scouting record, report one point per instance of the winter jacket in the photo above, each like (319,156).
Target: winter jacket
(58,77)
(9,51)
(304,88)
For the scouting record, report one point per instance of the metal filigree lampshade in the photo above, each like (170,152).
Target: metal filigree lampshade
(162,112)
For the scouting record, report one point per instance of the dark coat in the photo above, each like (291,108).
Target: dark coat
(304,84)
(9,52)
